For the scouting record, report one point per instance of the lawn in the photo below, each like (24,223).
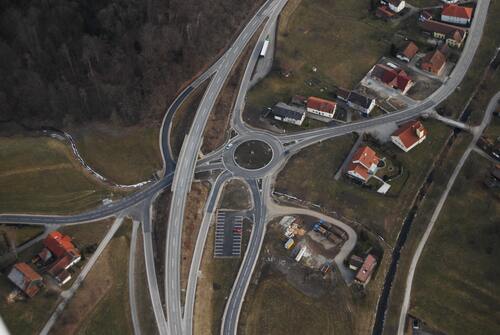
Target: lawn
(40,175)
(380,214)
(236,195)
(342,40)
(126,155)
(15,236)
(101,304)
(456,288)
(215,284)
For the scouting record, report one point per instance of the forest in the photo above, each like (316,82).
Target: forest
(64,63)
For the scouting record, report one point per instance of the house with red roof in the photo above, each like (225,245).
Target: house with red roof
(456,14)
(365,272)
(433,62)
(453,36)
(409,135)
(61,254)
(321,107)
(393,77)
(409,51)
(364,164)
(26,279)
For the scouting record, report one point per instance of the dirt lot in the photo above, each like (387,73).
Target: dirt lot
(193,217)
(236,196)
(287,297)
(101,303)
(215,283)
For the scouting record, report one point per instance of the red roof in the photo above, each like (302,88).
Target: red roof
(443,28)
(59,265)
(410,50)
(457,11)
(384,11)
(433,61)
(359,170)
(325,106)
(410,133)
(366,269)
(60,244)
(396,78)
(25,278)
(365,156)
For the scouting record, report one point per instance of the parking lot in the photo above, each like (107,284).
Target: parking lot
(228,233)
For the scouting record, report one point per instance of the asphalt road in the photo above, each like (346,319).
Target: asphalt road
(435,215)
(186,165)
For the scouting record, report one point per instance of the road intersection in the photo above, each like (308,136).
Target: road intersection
(179,175)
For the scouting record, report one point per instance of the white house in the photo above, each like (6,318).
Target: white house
(409,135)
(321,107)
(360,102)
(456,14)
(289,114)
(395,5)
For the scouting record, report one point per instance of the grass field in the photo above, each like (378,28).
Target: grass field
(236,196)
(214,285)
(39,175)
(101,304)
(381,214)
(15,236)
(126,155)
(456,288)
(341,39)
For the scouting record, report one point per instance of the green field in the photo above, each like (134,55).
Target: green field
(126,155)
(382,214)
(456,288)
(40,175)
(341,39)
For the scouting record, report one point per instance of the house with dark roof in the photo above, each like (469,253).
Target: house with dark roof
(365,272)
(321,107)
(393,77)
(409,51)
(409,135)
(384,12)
(360,102)
(453,36)
(364,164)
(433,62)
(455,14)
(26,279)
(289,114)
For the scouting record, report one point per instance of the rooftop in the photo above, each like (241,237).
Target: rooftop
(323,105)
(457,11)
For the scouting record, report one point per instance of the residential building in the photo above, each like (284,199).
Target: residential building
(456,14)
(395,5)
(361,102)
(425,15)
(321,107)
(364,164)
(409,135)
(409,51)
(298,100)
(343,94)
(433,62)
(61,253)
(289,114)
(355,262)
(452,35)
(365,272)
(394,78)
(26,279)
(384,12)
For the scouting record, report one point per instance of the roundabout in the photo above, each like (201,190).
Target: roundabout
(252,156)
